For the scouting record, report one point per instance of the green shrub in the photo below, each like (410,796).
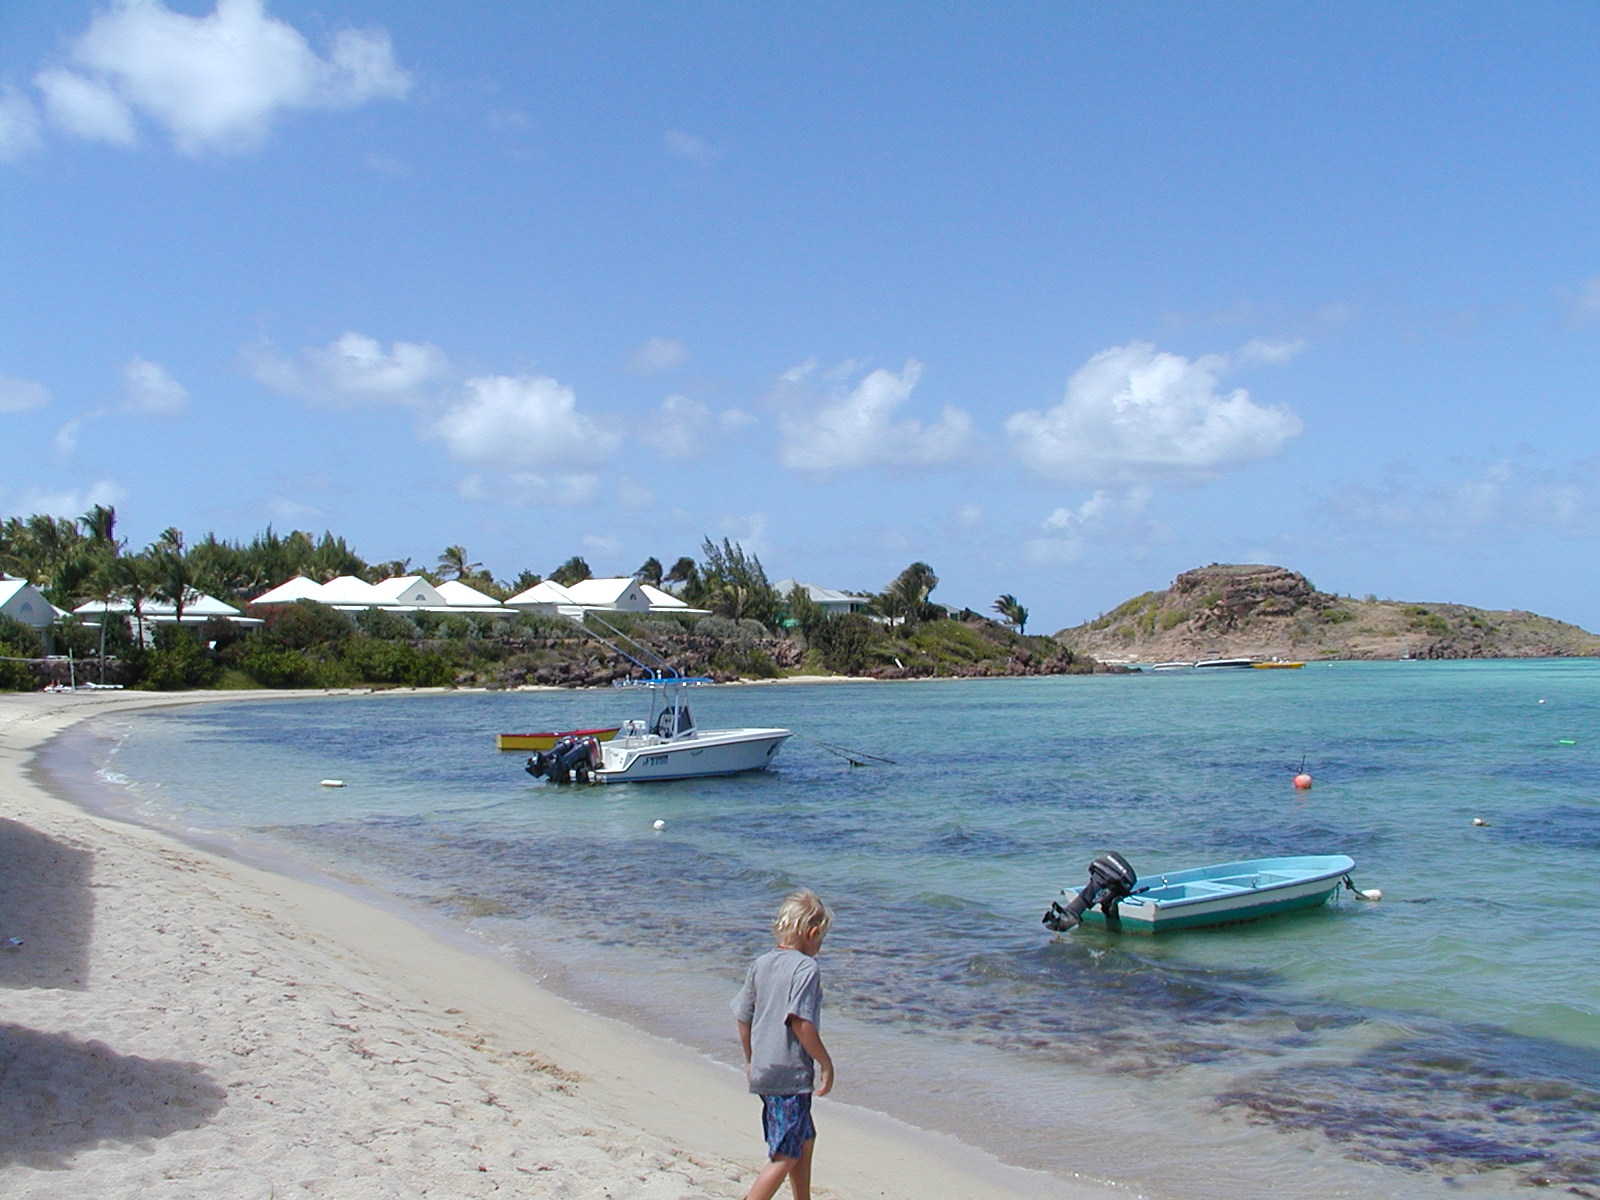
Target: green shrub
(845,643)
(1431,623)
(17,641)
(304,624)
(276,666)
(380,623)
(748,662)
(372,661)
(177,663)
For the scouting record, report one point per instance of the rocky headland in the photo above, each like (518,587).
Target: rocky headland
(1263,612)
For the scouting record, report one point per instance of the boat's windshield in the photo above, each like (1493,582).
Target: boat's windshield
(671,716)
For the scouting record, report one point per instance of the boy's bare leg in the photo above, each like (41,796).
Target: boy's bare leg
(772,1176)
(800,1173)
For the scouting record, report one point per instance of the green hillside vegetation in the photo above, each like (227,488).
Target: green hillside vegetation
(753,632)
(1229,611)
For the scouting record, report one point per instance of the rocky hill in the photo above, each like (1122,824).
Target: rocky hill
(1225,611)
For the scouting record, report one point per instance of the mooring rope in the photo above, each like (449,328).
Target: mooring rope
(846,753)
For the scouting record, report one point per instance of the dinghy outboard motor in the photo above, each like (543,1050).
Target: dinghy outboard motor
(1110,879)
(570,760)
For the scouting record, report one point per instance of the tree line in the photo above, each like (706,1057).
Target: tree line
(76,560)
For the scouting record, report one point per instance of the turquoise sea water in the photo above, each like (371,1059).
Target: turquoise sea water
(1445,1041)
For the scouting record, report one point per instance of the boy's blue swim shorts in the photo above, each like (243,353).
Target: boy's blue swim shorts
(786,1120)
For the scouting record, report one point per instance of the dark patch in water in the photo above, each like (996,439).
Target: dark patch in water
(965,841)
(1456,1102)
(1569,826)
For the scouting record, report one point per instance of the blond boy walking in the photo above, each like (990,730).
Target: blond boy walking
(785,1061)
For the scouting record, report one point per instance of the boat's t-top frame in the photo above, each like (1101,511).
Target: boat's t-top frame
(669,707)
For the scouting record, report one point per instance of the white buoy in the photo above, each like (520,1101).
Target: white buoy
(1479,821)
(333,783)
(1369,894)
(659,825)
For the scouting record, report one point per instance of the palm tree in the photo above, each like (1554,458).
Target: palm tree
(649,571)
(686,574)
(1013,612)
(135,577)
(454,560)
(102,584)
(908,594)
(172,580)
(574,570)
(100,526)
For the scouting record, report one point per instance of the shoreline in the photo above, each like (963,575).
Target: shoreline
(181,1023)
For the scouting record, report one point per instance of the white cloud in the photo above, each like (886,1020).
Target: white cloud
(523,422)
(748,531)
(1268,351)
(657,354)
(690,148)
(66,438)
(1115,516)
(1135,414)
(72,502)
(1585,302)
(215,83)
(19,395)
(525,489)
(856,429)
(19,124)
(687,429)
(1503,499)
(151,391)
(352,370)
(292,512)
(633,495)
(88,108)
(601,545)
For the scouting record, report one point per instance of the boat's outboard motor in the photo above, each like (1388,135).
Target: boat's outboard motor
(1110,879)
(571,759)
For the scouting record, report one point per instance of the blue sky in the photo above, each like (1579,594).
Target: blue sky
(1062,298)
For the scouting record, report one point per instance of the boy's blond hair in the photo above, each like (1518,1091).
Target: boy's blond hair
(800,913)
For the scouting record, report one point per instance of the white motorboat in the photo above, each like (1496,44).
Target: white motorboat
(666,746)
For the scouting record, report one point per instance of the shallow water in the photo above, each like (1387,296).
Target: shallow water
(1446,1039)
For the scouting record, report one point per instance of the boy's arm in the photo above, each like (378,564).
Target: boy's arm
(807,1034)
(744,1042)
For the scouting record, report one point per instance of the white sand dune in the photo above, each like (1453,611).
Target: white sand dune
(177,1024)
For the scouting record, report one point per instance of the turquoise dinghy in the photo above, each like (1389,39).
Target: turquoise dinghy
(1220,894)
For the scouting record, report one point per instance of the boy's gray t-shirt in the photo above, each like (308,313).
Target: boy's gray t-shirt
(779,984)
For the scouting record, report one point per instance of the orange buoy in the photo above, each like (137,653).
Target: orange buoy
(1302,781)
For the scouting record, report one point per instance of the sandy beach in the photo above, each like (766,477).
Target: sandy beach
(175,1023)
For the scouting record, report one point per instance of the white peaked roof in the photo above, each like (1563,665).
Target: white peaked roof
(197,607)
(621,594)
(460,595)
(21,601)
(298,588)
(547,595)
(624,594)
(208,606)
(409,591)
(349,592)
(661,601)
(829,598)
